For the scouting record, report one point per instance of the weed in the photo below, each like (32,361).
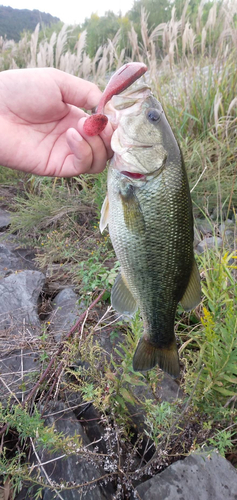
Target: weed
(39,211)
(159,419)
(216,340)
(30,428)
(65,230)
(192,67)
(222,441)
(9,176)
(93,274)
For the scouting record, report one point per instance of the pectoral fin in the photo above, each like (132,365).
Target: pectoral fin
(121,298)
(133,216)
(104,219)
(192,295)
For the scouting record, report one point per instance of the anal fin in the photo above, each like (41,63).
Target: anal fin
(122,299)
(192,295)
(147,355)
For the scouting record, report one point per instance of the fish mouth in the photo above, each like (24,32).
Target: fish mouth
(136,145)
(134,175)
(138,176)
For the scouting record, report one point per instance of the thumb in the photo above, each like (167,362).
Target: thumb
(77,91)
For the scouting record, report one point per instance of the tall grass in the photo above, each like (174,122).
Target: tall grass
(192,69)
(192,65)
(166,45)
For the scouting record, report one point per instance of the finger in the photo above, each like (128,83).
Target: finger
(77,91)
(90,156)
(100,153)
(105,137)
(81,150)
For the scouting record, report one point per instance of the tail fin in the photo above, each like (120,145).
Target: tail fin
(147,356)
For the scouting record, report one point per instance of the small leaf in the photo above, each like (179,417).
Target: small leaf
(120,401)
(111,376)
(232,380)
(225,392)
(127,396)
(232,368)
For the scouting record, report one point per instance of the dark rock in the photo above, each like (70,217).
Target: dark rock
(19,301)
(138,425)
(14,258)
(168,389)
(89,418)
(8,261)
(229,240)
(227,231)
(219,214)
(110,339)
(19,324)
(228,224)
(65,313)
(5,219)
(200,476)
(204,226)
(211,242)
(19,370)
(78,468)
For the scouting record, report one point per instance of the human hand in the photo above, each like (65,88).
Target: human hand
(41,123)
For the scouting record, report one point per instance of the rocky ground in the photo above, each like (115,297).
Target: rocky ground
(201,476)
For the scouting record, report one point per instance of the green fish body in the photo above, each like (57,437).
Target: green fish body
(149,213)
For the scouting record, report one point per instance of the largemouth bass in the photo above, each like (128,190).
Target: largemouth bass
(149,213)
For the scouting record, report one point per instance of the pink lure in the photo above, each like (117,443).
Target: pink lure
(120,81)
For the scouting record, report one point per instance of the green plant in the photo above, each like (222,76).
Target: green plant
(93,273)
(159,419)
(109,380)
(222,441)
(30,430)
(27,426)
(9,176)
(39,209)
(216,340)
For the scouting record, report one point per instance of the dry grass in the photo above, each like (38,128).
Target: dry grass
(166,45)
(192,69)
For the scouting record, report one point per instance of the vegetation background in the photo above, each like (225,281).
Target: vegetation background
(191,51)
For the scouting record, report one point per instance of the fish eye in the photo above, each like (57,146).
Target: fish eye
(154,115)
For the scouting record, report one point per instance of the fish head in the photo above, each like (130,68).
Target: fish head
(142,138)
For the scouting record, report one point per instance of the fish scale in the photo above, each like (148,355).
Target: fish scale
(149,262)
(151,228)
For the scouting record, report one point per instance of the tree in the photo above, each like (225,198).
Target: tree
(99,29)
(159,12)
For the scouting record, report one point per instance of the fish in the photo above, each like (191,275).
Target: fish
(148,211)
